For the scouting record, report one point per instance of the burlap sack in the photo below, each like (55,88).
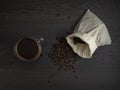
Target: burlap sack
(93,33)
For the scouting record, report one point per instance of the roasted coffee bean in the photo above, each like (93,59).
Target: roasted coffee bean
(49,81)
(62,56)
(68,17)
(51,76)
(73,71)
(76,77)
(58,14)
(54,74)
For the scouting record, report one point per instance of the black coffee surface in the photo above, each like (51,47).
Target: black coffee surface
(27,48)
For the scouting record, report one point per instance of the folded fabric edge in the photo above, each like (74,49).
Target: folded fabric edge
(90,42)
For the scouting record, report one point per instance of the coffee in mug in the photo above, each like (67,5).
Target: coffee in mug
(28,48)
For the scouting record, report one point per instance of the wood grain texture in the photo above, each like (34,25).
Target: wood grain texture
(39,18)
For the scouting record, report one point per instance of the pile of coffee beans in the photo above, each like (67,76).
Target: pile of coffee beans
(62,56)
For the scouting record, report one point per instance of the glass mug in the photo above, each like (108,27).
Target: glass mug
(28,48)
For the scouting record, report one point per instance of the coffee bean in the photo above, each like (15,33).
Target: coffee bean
(51,76)
(49,81)
(58,14)
(76,77)
(54,74)
(62,55)
(68,17)
(73,71)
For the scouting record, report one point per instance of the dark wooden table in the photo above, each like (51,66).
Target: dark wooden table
(50,19)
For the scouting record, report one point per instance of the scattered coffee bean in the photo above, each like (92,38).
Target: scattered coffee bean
(76,77)
(62,56)
(49,81)
(73,71)
(68,17)
(53,73)
(51,76)
(58,14)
